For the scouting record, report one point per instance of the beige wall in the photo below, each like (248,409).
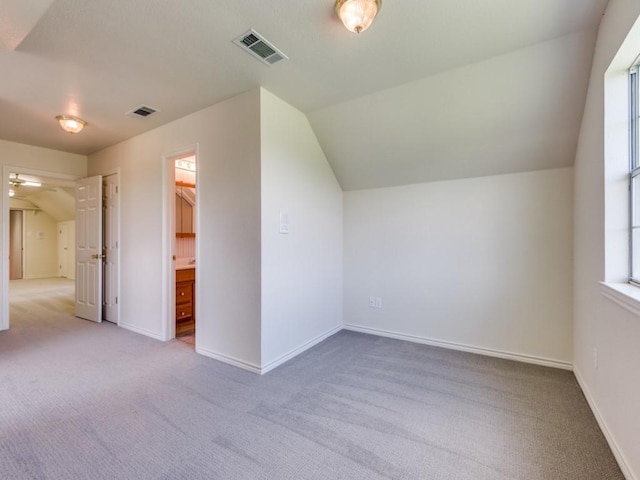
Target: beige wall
(41,245)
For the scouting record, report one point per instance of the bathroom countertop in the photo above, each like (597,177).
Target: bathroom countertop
(185,263)
(185,266)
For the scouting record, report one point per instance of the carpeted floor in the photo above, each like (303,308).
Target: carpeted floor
(80,400)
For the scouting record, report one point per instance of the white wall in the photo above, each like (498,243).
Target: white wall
(611,384)
(301,270)
(484,263)
(260,297)
(29,158)
(228,238)
(40,245)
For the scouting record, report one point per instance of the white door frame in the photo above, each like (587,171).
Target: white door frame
(4,273)
(169,237)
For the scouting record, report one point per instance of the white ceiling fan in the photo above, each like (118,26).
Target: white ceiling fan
(17,182)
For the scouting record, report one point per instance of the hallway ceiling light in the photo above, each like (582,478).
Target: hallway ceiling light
(357,15)
(71,124)
(11,193)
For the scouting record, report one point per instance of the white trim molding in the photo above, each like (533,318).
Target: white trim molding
(273,364)
(229,360)
(617,453)
(625,295)
(141,331)
(298,350)
(518,357)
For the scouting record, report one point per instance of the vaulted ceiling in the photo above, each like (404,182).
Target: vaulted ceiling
(435,89)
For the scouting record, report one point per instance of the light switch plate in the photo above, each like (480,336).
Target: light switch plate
(284,222)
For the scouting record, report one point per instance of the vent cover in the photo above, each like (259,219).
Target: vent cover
(255,44)
(142,111)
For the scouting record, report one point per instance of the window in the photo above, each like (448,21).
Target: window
(634,188)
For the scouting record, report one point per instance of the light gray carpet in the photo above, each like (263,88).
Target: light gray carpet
(86,401)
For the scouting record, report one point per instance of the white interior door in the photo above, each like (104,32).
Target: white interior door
(66,249)
(111,236)
(63,250)
(89,248)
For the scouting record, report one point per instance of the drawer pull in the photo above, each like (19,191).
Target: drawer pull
(182,294)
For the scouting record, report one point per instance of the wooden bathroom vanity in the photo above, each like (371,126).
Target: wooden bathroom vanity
(185,301)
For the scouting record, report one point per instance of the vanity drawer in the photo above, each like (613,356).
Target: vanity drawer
(186,275)
(184,293)
(184,311)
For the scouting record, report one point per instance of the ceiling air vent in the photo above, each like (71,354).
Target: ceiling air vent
(255,44)
(142,111)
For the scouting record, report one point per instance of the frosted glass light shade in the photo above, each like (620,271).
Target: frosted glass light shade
(357,15)
(70,123)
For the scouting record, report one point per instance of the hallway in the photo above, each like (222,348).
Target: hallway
(38,299)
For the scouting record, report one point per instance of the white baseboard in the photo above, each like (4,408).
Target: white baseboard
(273,364)
(547,362)
(298,350)
(142,331)
(620,458)
(229,360)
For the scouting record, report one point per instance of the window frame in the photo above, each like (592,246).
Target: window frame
(634,167)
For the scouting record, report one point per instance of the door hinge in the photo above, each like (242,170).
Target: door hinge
(116,300)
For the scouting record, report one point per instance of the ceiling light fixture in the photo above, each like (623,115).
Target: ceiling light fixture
(357,15)
(186,164)
(71,124)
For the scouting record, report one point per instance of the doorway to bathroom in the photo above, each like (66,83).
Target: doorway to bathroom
(181,215)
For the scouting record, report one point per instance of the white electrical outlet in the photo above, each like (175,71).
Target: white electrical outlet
(372,302)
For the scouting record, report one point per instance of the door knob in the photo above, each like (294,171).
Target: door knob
(97,255)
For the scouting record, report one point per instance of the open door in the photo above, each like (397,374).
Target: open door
(89,248)
(110,235)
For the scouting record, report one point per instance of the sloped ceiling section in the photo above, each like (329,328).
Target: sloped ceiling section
(17,18)
(59,203)
(434,89)
(515,112)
